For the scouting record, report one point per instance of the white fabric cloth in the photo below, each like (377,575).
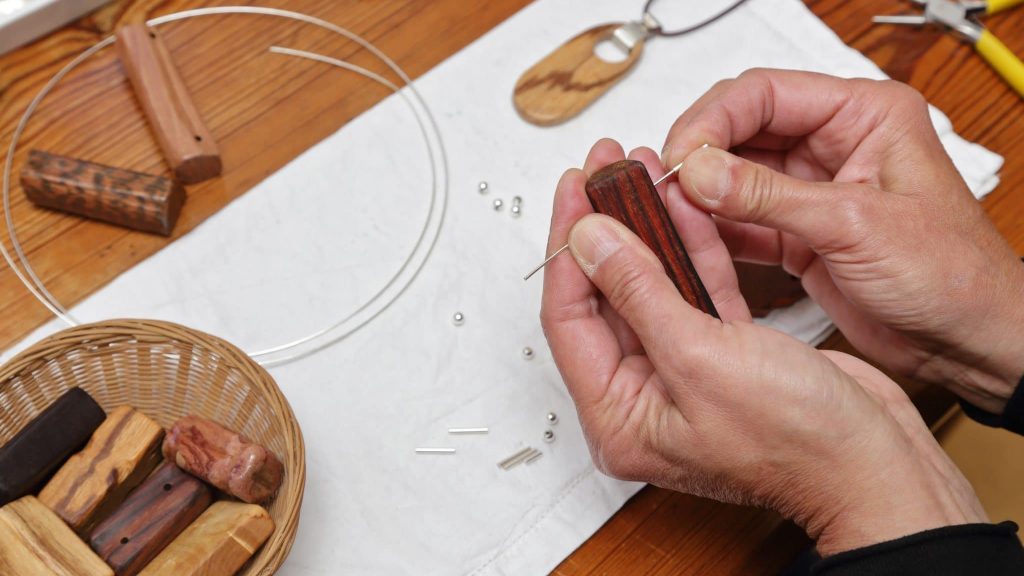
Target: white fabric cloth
(313,240)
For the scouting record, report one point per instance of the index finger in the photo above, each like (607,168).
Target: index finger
(781,103)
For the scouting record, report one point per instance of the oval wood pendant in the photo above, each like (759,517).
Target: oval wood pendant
(569,79)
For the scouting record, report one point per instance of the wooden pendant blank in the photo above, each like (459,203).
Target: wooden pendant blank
(218,543)
(34,541)
(149,519)
(187,144)
(38,449)
(624,191)
(569,79)
(120,454)
(132,199)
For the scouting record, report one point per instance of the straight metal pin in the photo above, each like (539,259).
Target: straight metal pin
(468,430)
(566,247)
(435,450)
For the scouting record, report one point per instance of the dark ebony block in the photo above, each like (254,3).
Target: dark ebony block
(29,459)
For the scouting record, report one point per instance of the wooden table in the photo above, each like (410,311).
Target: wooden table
(265,111)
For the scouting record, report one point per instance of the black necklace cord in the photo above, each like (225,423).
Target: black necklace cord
(657,30)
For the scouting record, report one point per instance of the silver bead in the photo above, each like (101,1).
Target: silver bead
(458,319)
(516,211)
(528,353)
(498,203)
(482,187)
(552,418)
(517,200)
(549,436)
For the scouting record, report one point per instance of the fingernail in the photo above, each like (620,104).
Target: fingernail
(592,240)
(666,155)
(707,172)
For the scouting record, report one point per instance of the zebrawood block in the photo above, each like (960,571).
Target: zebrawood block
(569,79)
(120,454)
(624,191)
(149,519)
(32,455)
(132,199)
(224,458)
(218,543)
(34,541)
(187,144)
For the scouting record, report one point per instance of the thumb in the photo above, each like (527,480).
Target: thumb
(820,213)
(633,280)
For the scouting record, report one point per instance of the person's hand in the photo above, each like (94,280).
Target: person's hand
(729,409)
(845,183)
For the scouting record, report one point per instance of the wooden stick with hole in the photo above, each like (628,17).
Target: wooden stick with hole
(187,144)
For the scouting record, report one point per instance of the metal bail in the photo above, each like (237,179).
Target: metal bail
(629,34)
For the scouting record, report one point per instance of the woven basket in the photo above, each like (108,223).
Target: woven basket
(166,371)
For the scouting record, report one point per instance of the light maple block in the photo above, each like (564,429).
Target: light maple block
(35,542)
(218,543)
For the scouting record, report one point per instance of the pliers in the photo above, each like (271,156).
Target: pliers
(960,17)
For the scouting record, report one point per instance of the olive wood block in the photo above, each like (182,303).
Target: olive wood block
(35,542)
(120,454)
(149,519)
(37,450)
(132,199)
(224,458)
(624,191)
(218,543)
(187,144)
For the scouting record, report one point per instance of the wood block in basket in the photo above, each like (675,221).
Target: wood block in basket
(120,454)
(42,445)
(218,543)
(132,199)
(167,370)
(224,458)
(151,517)
(34,541)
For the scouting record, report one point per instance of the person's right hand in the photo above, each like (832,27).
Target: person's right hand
(845,183)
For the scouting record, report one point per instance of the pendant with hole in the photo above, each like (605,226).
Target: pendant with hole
(573,76)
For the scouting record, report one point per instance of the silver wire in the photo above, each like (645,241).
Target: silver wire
(545,262)
(350,323)
(435,450)
(481,430)
(566,247)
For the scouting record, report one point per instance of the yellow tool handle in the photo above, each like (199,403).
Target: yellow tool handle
(999,57)
(1000,5)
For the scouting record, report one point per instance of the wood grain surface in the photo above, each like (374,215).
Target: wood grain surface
(34,541)
(140,201)
(94,482)
(264,111)
(152,516)
(218,543)
(187,144)
(570,78)
(624,191)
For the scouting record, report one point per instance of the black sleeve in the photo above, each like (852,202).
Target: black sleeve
(1012,418)
(989,549)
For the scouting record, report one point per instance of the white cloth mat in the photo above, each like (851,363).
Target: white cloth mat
(315,239)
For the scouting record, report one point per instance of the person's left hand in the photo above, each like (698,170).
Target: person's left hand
(728,409)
